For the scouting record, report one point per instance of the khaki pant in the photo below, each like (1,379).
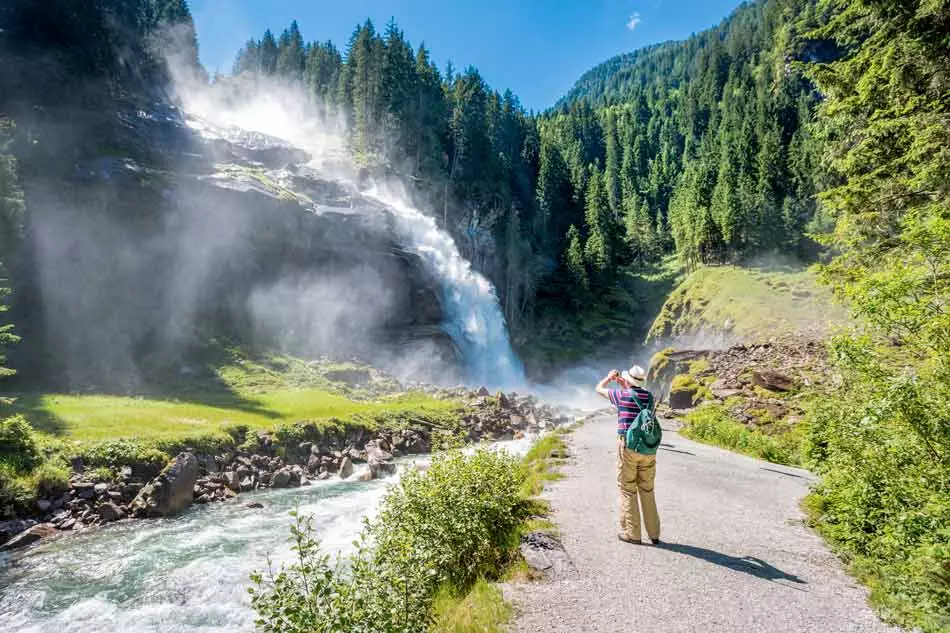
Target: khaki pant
(635,476)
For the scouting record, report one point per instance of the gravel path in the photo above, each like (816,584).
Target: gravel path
(736,555)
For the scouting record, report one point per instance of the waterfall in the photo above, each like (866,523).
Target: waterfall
(474,318)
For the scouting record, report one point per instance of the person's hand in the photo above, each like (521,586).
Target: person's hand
(614,374)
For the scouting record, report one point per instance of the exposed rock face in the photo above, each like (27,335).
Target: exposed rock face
(171,492)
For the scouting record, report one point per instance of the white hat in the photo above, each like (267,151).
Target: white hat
(634,374)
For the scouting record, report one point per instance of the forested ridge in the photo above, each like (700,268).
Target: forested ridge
(808,128)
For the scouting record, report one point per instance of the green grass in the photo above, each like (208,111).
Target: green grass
(104,417)
(747,304)
(712,424)
(481,610)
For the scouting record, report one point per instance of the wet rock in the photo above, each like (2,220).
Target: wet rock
(109,512)
(43,505)
(366,475)
(29,536)
(323,476)
(254,505)
(9,529)
(346,468)
(84,489)
(296,476)
(281,478)
(101,488)
(375,453)
(171,491)
(232,480)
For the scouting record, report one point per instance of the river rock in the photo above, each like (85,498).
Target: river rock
(109,512)
(232,480)
(375,453)
(84,489)
(281,478)
(101,488)
(171,491)
(346,468)
(254,505)
(366,475)
(29,536)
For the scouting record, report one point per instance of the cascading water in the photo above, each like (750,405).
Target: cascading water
(474,318)
(187,574)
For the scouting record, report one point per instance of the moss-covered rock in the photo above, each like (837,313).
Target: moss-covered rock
(684,391)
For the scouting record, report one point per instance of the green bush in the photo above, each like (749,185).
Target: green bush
(881,444)
(713,425)
(51,478)
(18,447)
(122,452)
(15,495)
(437,531)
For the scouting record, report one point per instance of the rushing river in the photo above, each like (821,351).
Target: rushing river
(184,574)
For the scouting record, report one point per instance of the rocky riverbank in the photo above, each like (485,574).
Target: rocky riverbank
(264,459)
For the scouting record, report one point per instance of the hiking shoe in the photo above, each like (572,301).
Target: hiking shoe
(627,539)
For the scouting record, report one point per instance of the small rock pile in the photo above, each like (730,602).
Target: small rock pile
(777,368)
(269,462)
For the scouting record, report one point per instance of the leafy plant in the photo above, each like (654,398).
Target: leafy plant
(438,531)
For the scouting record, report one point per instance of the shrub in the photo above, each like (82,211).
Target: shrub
(436,531)
(882,446)
(712,424)
(15,496)
(18,447)
(116,453)
(51,478)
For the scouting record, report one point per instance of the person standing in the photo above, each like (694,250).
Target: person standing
(636,472)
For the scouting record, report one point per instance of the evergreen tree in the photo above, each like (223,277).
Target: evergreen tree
(268,53)
(574,261)
(598,251)
(291,54)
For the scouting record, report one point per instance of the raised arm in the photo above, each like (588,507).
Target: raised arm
(601,387)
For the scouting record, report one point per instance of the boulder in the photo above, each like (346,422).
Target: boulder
(84,489)
(171,491)
(375,453)
(101,488)
(281,478)
(346,468)
(366,475)
(232,480)
(29,536)
(109,512)
(772,380)
(254,505)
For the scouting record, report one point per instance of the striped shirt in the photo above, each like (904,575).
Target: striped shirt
(628,403)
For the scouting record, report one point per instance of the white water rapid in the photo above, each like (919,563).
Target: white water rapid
(187,574)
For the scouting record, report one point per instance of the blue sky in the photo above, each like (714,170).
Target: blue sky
(536,48)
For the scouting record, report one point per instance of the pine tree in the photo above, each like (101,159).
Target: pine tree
(11,229)
(291,54)
(268,52)
(574,260)
(598,251)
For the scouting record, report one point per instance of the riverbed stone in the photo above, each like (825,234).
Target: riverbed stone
(281,478)
(346,468)
(171,491)
(29,536)
(109,512)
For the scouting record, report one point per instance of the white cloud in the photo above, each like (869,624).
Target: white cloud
(633,21)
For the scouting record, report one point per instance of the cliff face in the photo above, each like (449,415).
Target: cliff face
(147,234)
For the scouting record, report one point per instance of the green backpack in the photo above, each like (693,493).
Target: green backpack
(644,433)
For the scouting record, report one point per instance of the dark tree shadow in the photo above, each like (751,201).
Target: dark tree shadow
(782,472)
(746,564)
(31,407)
(672,448)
